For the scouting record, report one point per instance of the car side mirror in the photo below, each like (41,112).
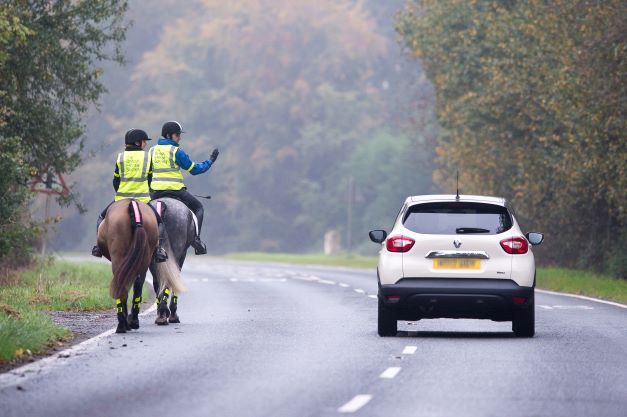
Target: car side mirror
(378,236)
(535,238)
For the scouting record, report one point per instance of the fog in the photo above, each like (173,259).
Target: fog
(302,99)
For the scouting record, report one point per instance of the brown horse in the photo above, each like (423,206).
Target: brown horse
(128,237)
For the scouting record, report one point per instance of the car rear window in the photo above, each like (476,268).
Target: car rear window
(450,218)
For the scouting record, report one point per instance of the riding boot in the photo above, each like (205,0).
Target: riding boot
(199,246)
(95,251)
(160,254)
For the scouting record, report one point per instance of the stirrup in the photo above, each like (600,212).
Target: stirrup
(160,255)
(95,251)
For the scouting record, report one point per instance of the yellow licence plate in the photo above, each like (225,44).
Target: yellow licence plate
(456,263)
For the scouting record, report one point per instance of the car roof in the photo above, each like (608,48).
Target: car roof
(452,197)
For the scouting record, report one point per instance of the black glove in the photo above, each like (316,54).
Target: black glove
(214,155)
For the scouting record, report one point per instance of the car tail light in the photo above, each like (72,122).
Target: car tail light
(399,243)
(515,245)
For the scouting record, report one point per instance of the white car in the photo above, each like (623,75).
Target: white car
(451,256)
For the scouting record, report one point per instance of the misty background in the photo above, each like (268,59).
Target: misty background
(300,97)
(328,114)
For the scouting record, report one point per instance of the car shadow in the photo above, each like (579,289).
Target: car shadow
(456,335)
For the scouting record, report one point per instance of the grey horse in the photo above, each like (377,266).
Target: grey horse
(180,231)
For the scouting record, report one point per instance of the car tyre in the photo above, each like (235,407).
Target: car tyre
(524,322)
(387,321)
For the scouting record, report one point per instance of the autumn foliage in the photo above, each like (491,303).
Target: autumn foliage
(532,101)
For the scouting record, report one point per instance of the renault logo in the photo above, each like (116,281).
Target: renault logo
(457,243)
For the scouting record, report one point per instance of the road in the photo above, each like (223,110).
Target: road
(285,340)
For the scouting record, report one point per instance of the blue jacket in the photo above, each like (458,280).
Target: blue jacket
(184,161)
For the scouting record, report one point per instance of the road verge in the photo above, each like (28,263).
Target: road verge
(39,306)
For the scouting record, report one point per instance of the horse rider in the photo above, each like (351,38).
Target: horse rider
(168,159)
(131,179)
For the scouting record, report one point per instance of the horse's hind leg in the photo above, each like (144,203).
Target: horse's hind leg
(133,318)
(174,318)
(121,309)
(162,310)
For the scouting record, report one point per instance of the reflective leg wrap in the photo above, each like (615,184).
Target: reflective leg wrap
(136,302)
(173,305)
(163,312)
(165,295)
(118,306)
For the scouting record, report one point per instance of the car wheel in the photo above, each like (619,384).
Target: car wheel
(524,322)
(387,321)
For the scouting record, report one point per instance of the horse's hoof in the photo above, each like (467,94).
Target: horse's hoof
(133,322)
(161,321)
(121,329)
(174,318)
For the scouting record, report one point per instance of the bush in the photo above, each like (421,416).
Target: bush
(16,229)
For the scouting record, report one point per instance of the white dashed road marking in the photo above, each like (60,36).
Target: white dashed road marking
(409,350)
(344,285)
(326,281)
(359,290)
(312,278)
(390,372)
(372,296)
(355,404)
(575,307)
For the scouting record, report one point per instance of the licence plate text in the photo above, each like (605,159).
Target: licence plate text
(456,263)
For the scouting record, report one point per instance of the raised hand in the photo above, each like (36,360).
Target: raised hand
(214,155)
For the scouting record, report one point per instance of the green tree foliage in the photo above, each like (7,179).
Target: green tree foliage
(49,52)
(532,99)
(288,91)
(16,230)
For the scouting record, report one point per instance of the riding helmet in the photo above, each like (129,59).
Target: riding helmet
(171,128)
(135,135)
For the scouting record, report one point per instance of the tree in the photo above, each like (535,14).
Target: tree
(49,76)
(531,99)
(288,90)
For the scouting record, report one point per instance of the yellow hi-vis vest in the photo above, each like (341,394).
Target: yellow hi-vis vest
(133,167)
(166,173)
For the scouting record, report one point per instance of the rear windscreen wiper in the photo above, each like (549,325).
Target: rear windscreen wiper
(462,230)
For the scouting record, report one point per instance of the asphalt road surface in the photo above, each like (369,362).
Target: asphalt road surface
(286,340)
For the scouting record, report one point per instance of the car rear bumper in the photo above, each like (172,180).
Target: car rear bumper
(417,298)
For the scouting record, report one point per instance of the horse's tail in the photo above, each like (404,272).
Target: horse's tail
(130,266)
(169,272)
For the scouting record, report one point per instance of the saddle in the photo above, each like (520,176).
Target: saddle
(161,208)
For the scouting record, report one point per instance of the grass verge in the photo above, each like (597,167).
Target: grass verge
(26,295)
(583,283)
(549,278)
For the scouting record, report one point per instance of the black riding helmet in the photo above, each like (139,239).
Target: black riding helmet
(135,135)
(171,128)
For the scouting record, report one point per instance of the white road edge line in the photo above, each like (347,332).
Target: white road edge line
(390,373)
(409,350)
(355,404)
(582,297)
(43,365)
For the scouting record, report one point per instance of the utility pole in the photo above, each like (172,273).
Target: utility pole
(349,214)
